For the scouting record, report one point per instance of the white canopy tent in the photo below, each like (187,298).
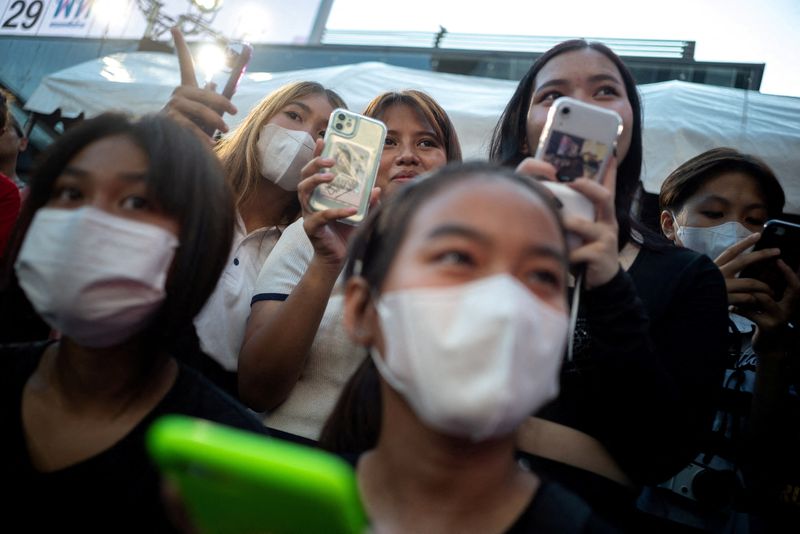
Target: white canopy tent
(681,119)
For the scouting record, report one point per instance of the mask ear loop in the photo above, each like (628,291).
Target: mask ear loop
(573,312)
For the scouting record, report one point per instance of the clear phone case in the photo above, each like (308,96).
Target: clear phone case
(356,143)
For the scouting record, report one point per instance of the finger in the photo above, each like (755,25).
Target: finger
(536,168)
(609,179)
(374,197)
(184,58)
(746,285)
(735,250)
(317,220)
(602,198)
(738,264)
(192,126)
(315,166)
(320,144)
(206,97)
(197,113)
(792,278)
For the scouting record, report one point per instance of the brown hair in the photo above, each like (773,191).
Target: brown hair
(684,181)
(428,109)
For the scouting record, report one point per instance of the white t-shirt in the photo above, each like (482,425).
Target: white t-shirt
(220,324)
(332,358)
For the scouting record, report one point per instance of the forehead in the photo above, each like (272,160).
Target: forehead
(492,205)
(576,65)
(402,114)
(732,185)
(117,153)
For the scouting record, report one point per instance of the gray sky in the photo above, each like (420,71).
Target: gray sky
(725,30)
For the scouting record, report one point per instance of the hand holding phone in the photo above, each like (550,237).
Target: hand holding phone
(578,139)
(237,56)
(782,235)
(199,110)
(355,142)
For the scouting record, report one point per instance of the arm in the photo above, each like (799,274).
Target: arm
(279,334)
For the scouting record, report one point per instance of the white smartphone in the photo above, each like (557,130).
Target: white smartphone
(356,143)
(578,139)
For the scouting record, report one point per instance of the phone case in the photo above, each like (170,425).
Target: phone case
(356,143)
(238,57)
(776,234)
(578,139)
(236,482)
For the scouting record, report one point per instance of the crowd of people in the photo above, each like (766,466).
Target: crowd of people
(151,268)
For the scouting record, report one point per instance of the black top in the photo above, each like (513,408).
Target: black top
(117,490)
(650,353)
(558,511)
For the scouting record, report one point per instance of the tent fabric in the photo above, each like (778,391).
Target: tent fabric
(681,119)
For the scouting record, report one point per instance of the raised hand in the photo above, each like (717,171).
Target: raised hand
(199,109)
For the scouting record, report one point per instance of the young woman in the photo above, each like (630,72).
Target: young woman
(649,343)
(716,204)
(121,241)
(262,159)
(457,288)
(296,356)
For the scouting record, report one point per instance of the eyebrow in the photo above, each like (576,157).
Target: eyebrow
(717,198)
(469,233)
(418,133)
(298,104)
(558,82)
(81,174)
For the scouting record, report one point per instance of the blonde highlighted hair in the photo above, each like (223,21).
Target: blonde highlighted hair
(237,151)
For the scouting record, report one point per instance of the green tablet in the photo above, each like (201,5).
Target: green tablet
(236,482)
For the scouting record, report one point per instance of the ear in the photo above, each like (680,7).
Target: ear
(360,317)
(668,226)
(524,149)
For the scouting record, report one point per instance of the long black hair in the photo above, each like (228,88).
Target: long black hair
(510,132)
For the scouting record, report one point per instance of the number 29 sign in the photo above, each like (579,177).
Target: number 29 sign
(71,18)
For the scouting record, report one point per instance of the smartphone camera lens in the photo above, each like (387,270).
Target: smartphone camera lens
(565,111)
(341,117)
(338,125)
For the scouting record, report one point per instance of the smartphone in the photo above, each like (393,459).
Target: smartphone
(776,234)
(578,139)
(237,58)
(356,143)
(235,482)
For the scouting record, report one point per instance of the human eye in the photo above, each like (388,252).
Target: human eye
(429,142)
(135,202)
(293,115)
(455,257)
(66,194)
(544,276)
(548,97)
(390,141)
(757,221)
(607,90)
(712,214)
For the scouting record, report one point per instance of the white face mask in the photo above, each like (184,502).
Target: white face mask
(94,277)
(472,360)
(282,154)
(712,240)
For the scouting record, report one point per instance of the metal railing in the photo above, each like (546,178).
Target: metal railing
(442,39)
